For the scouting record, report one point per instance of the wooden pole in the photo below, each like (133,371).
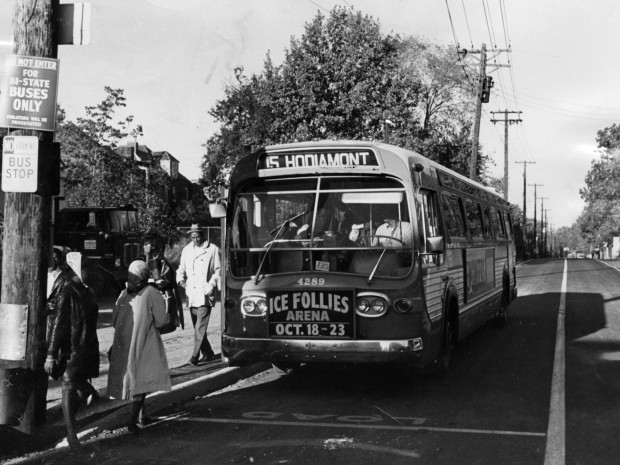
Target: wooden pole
(476,130)
(26,240)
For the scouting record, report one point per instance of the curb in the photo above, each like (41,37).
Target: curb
(182,392)
(109,416)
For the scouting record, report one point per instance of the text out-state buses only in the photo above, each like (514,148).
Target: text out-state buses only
(345,251)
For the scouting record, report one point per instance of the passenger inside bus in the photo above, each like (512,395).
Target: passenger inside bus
(393,232)
(344,226)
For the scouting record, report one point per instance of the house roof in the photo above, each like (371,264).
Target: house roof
(141,152)
(164,155)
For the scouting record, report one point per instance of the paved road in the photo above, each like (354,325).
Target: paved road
(541,390)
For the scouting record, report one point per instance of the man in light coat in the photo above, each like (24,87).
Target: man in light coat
(199,274)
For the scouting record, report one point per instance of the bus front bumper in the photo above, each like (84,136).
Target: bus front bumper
(241,351)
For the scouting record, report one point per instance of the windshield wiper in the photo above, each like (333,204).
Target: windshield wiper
(387,244)
(279,230)
(374,270)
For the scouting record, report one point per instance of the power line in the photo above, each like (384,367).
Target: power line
(456,41)
(316,4)
(471,40)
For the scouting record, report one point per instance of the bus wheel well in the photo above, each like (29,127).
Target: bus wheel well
(501,317)
(450,333)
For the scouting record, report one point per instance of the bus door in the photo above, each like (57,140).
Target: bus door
(432,251)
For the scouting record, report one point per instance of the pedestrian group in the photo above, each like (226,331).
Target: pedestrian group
(149,306)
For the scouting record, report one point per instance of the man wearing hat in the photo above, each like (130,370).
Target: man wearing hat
(199,274)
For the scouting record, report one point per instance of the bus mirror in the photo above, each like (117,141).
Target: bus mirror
(218,209)
(434,244)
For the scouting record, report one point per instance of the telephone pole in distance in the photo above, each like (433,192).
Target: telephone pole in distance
(507,121)
(535,226)
(525,163)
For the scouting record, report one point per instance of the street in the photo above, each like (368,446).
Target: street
(514,395)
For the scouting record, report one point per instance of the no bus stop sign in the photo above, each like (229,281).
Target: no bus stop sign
(20,163)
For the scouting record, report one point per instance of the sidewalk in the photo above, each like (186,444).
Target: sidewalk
(109,416)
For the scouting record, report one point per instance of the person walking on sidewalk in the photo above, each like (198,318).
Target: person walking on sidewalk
(164,277)
(72,344)
(138,363)
(199,273)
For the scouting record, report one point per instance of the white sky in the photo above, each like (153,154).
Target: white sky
(173,57)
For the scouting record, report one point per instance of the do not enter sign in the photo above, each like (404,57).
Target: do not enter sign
(20,163)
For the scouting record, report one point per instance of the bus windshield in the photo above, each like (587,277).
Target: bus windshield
(357,225)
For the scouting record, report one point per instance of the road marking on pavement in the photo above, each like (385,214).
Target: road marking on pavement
(358,426)
(555,452)
(327,444)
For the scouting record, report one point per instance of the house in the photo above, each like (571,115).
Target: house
(181,188)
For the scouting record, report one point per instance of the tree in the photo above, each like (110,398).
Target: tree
(95,175)
(98,123)
(336,82)
(600,219)
(609,138)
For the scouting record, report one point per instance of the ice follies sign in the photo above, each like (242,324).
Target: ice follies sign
(28,93)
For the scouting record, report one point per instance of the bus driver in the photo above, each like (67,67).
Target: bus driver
(401,231)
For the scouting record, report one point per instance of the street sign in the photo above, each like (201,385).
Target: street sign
(20,163)
(13,331)
(28,93)
(74,24)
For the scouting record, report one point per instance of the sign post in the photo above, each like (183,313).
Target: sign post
(28,93)
(28,104)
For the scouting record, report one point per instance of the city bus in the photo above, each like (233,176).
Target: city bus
(427,256)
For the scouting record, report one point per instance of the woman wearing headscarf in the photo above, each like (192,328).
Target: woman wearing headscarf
(138,363)
(163,276)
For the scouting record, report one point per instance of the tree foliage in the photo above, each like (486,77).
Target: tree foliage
(600,219)
(95,175)
(341,80)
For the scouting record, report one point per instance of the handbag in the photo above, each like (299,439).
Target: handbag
(171,310)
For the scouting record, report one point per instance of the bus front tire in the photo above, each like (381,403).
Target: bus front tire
(443,361)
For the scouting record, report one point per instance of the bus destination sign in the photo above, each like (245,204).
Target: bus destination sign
(307,314)
(324,158)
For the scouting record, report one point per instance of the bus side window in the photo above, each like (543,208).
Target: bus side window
(498,224)
(486,224)
(474,218)
(433,237)
(508,222)
(453,216)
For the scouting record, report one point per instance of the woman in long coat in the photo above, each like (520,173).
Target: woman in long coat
(138,363)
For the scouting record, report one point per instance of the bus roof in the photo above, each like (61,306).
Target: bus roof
(392,159)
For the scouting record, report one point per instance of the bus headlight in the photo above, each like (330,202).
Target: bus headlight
(363,306)
(378,306)
(254,305)
(371,305)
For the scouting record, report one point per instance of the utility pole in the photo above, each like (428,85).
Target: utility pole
(507,121)
(483,92)
(535,226)
(525,205)
(476,132)
(26,240)
(542,222)
(386,131)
